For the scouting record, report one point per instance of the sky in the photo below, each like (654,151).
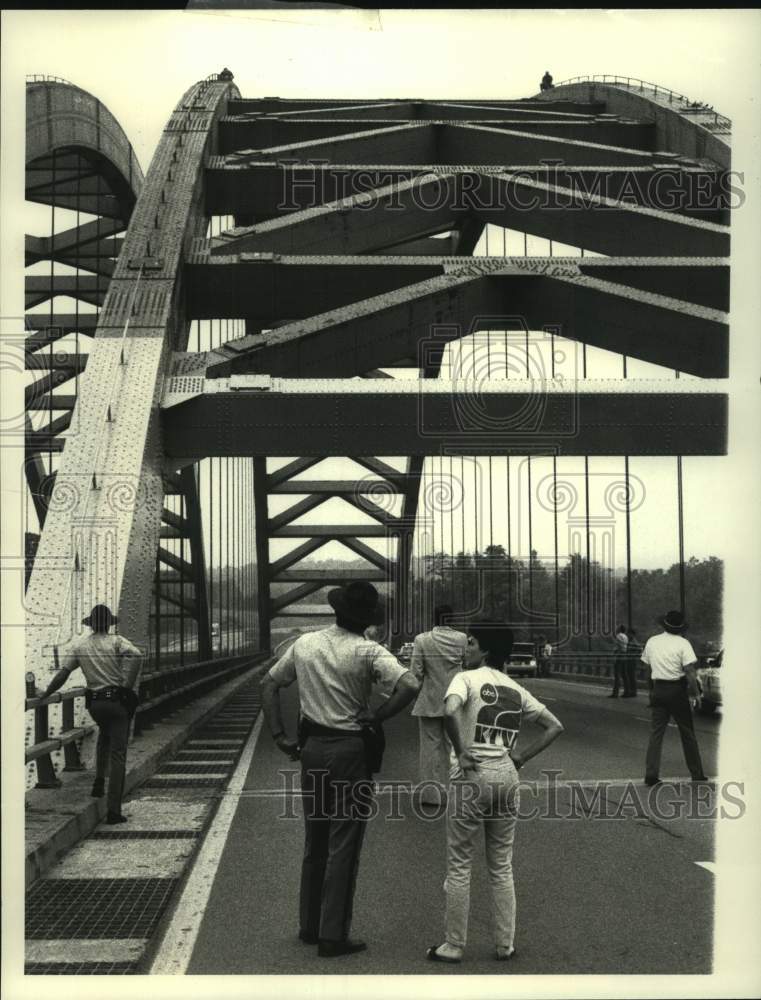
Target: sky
(139,64)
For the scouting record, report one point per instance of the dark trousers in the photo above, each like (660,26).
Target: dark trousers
(669,700)
(335,785)
(111,753)
(630,676)
(619,675)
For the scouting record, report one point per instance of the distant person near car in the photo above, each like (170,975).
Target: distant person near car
(619,663)
(436,657)
(545,657)
(672,663)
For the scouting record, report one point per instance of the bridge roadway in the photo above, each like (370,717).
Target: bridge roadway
(595,895)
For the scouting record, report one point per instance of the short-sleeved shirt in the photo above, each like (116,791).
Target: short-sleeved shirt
(494,707)
(336,670)
(622,642)
(667,655)
(103,658)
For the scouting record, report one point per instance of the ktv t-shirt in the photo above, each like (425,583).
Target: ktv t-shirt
(494,707)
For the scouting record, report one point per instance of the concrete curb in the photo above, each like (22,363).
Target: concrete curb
(57,819)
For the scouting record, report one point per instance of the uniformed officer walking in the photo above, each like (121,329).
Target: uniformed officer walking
(336,669)
(673,681)
(111,665)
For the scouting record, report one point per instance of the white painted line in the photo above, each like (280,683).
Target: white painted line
(176,949)
(710,866)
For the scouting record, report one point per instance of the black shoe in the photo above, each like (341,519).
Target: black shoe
(332,949)
(98,789)
(505,958)
(113,818)
(701,778)
(651,782)
(308,938)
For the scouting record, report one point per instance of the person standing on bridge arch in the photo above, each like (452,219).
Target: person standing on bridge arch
(336,669)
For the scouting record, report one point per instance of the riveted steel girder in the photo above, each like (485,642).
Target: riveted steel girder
(637,417)
(101,536)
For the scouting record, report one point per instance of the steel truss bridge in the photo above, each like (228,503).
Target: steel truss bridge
(300,280)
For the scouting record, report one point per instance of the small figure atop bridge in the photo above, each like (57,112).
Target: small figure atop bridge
(546,83)
(226,74)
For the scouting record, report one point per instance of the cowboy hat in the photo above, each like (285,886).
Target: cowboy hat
(358,601)
(674,621)
(100,616)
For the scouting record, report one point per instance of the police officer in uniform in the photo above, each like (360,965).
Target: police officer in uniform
(111,665)
(336,669)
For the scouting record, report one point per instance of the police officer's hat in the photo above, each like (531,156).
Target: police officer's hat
(358,601)
(100,617)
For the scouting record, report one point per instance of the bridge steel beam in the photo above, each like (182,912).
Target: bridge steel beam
(638,417)
(629,316)
(103,526)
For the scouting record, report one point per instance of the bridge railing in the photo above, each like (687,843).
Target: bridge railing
(634,83)
(46,78)
(160,691)
(592,665)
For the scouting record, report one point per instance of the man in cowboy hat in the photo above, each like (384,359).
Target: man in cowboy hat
(111,665)
(336,669)
(673,682)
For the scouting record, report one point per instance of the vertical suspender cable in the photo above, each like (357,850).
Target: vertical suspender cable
(530,552)
(555,520)
(589,562)
(680,519)
(627,494)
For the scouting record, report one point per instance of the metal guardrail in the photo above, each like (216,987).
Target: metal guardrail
(588,665)
(634,83)
(46,78)
(160,691)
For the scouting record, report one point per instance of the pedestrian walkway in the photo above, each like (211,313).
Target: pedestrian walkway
(95,913)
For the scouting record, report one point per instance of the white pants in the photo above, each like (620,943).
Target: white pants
(483,800)
(434,755)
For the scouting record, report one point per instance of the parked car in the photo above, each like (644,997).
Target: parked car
(522,660)
(709,679)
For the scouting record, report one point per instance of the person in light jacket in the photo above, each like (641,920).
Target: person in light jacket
(436,657)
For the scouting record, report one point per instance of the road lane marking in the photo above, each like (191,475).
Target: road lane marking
(176,949)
